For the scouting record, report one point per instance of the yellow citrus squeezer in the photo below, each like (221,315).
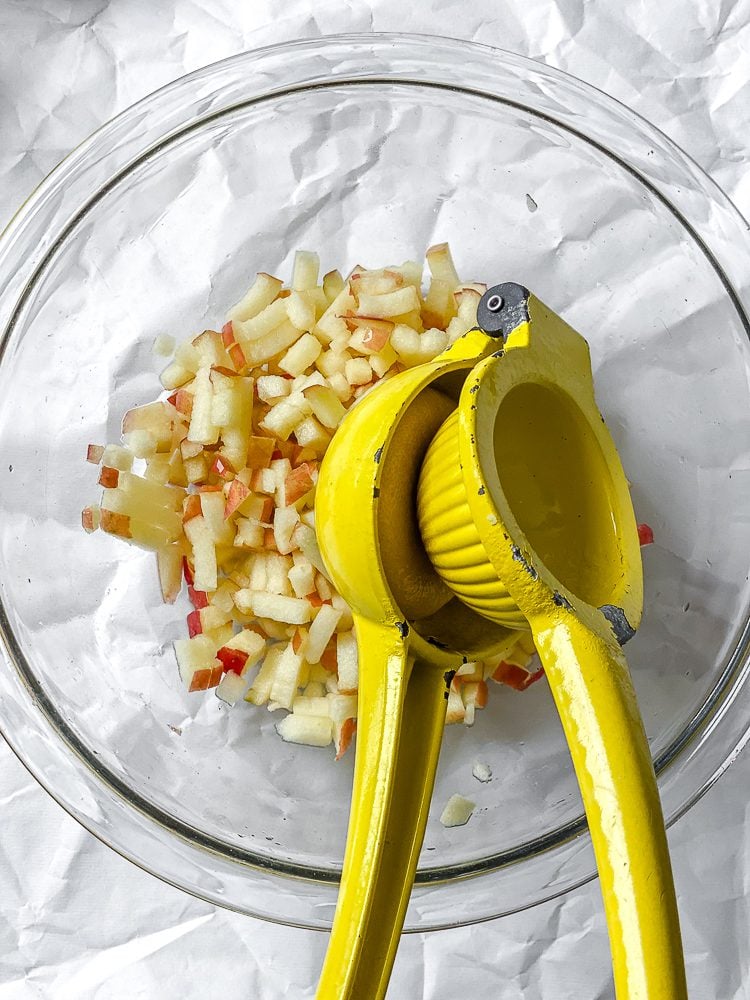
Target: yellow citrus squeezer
(459,502)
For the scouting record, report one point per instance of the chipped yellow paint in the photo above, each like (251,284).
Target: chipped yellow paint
(459,501)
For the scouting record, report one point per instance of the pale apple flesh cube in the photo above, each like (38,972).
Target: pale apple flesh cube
(272,388)
(302,579)
(149,494)
(231,688)
(169,565)
(286,678)
(440,263)
(458,811)
(348,661)
(308,705)
(307,730)
(116,457)
(402,300)
(340,386)
(257,352)
(305,272)
(212,506)
(142,443)
(211,350)
(260,689)
(321,631)
(333,285)
(291,610)
(196,656)
(277,568)
(301,355)
(162,519)
(331,323)
(175,375)
(261,293)
(261,325)
(285,521)
(431,343)
(405,341)
(200,536)
(310,433)
(250,534)
(202,429)
(306,540)
(326,405)
(383,360)
(155,417)
(301,311)
(282,419)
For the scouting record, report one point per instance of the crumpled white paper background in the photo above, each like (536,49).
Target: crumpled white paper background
(76,921)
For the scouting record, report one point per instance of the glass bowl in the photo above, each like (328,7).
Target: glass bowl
(367,149)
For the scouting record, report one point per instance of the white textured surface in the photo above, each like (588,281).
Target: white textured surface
(76,921)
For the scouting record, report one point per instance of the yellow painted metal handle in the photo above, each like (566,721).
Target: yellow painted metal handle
(594,694)
(400,726)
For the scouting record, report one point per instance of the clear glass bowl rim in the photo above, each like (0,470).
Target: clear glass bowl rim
(538,870)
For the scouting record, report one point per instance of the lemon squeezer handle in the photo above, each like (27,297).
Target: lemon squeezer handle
(593,691)
(401,715)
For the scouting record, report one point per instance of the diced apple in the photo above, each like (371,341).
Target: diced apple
(301,355)
(261,686)
(286,678)
(406,343)
(305,273)
(369,335)
(231,688)
(333,285)
(202,429)
(431,343)
(457,812)
(343,734)
(308,705)
(108,478)
(261,325)
(146,495)
(340,386)
(236,496)
(272,388)
(169,563)
(259,452)
(282,419)
(225,402)
(141,442)
(299,482)
(291,610)
(90,518)
(277,574)
(393,303)
(456,711)
(330,323)
(321,632)
(201,539)
(94,453)
(358,371)
(302,579)
(306,540)
(301,311)
(212,507)
(196,469)
(310,433)
(440,263)
(285,521)
(249,642)
(326,405)
(308,730)
(196,654)
(261,294)
(176,375)
(383,361)
(115,457)
(348,661)
(323,588)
